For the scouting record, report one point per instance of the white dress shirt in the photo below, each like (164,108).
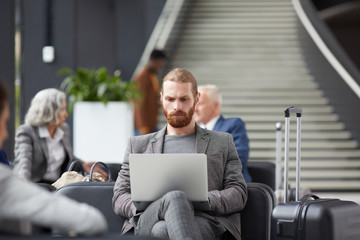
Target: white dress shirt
(56,150)
(211,124)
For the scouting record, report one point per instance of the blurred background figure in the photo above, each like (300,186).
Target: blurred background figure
(42,145)
(146,110)
(4,117)
(207,114)
(21,201)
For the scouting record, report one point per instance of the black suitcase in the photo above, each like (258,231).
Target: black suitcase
(312,218)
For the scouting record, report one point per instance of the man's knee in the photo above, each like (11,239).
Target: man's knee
(175,200)
(160,230)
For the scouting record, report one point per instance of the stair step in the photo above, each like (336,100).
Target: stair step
(243,63)
(296,101)
(305,135)
(258,15)
(246,29)
(231,21)
(272,94)
(248,77)
(318,164)
(256,145)
(203,26)
(330,185)
(257,37)
(261,44)
(265,110)
(328,154)
(188,51)
(324,174)
(236,4)
(305,126)
(251,57)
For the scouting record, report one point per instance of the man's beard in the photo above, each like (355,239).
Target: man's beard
(179,121)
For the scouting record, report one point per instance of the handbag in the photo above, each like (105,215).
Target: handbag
(71,176)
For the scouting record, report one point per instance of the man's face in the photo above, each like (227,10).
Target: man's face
(157,64)
(4,117)
(204,109)
(178,103)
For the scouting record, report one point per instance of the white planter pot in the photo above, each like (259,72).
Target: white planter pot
(101,132)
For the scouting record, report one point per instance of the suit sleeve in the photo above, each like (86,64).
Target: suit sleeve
(122,203)
(23,152)
(232,198)
(241,140)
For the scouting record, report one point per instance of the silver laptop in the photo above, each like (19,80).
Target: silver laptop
(153,175)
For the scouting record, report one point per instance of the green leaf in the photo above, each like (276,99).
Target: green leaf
(97,85)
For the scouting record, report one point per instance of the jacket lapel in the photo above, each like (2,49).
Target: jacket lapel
(158,140)
(202,139)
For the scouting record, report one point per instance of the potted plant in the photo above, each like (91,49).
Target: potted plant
(103,113)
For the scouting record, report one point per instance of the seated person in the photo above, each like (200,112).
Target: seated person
(207,114)
(172,216)
(5,115)
(23,201)
(42,145)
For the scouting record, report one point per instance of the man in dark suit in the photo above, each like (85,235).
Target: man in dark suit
(207,114)
(172,216)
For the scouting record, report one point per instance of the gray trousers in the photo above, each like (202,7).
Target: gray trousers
(173,217)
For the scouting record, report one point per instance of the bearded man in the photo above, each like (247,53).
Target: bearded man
(173,216)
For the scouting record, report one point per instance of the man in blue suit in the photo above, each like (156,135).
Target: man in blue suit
(207,114)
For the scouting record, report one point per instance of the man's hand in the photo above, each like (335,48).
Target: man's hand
(87,167)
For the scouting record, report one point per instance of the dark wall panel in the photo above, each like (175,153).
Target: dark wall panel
(95,34)
(38,75)
(135,22)
(7,63)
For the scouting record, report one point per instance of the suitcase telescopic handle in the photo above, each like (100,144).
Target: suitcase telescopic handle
(293,109)
(288,111)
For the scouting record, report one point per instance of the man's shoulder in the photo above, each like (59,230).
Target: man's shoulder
(229,124)
(218,135)
(140,144)
(234,120)
(142,138)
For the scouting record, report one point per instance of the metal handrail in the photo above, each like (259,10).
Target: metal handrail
(339,68)
(162,31)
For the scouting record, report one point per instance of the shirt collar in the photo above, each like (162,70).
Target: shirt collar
(211,124)
(44,133)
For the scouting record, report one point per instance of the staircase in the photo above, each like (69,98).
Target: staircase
(249,49)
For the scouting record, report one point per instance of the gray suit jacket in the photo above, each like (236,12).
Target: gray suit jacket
(31,152)
(227,187)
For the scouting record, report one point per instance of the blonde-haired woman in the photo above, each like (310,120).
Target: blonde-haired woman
(42,145)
